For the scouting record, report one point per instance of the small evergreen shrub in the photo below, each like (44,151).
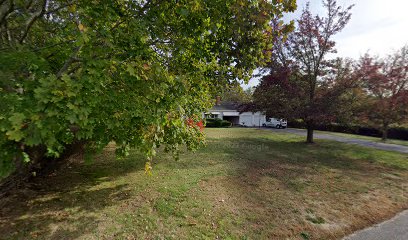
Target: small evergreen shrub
(217,123)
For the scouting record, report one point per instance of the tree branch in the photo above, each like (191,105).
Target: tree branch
(70,60)
(30,22)
(6,12)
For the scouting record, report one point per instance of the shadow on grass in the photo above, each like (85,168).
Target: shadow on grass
(72,198)
(261,152)
(70,204)
(292,160)
(270,181)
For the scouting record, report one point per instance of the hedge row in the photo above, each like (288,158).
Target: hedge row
(217,123)
(393,133)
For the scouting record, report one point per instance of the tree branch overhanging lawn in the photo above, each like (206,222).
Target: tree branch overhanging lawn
(245,183)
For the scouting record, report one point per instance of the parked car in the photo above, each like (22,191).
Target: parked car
(276,123)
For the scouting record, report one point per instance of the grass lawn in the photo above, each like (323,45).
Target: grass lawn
(374,139)
(246,184)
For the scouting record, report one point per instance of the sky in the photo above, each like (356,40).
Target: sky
(376,26)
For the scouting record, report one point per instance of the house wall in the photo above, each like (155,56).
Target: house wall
(250,119)
(247,119)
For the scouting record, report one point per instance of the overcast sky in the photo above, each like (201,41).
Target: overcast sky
(376,26)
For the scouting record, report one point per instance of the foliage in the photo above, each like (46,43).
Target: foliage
(385,84)
(217,123)
(236,94)
(302,83)
(124,71)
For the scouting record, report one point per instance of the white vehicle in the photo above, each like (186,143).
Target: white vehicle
(276,123)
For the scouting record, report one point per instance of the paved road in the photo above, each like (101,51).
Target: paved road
(366,143)
(393,229)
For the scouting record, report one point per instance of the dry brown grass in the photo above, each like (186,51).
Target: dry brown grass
(246,184)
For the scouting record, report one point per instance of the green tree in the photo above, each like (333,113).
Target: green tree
(91,72)
(236,94)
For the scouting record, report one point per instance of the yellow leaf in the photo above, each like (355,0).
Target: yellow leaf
(116,115)
(148,169)
(72,8)
(81,27)
(35,117)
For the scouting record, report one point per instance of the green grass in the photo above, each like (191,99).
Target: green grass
(374,139)
(246,184)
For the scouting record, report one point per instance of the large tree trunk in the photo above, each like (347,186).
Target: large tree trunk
(39,165)
(310,130)
(23,171)
(384,132)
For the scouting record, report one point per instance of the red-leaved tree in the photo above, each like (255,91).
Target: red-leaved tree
(385,81)
(302,82)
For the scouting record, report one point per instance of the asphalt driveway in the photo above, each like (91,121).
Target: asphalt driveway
(350,140)
(395,229)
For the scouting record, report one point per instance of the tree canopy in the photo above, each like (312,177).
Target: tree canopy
(131,72)
(385,84)
(236,94)
(303,82)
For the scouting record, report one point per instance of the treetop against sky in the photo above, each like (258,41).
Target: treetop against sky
(376,26)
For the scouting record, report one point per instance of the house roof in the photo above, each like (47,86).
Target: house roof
(225,106)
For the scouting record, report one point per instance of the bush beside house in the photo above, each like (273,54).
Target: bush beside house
(217,123)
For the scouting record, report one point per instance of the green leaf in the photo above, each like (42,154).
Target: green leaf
(26,158)
(17,119)
(131,70)
(15,135)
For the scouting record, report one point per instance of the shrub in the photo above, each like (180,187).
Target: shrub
(226,123)
(217,123)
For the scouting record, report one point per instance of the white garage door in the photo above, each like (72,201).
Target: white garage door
(246,120)
(258,121)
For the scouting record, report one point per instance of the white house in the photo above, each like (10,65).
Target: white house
(229,112)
